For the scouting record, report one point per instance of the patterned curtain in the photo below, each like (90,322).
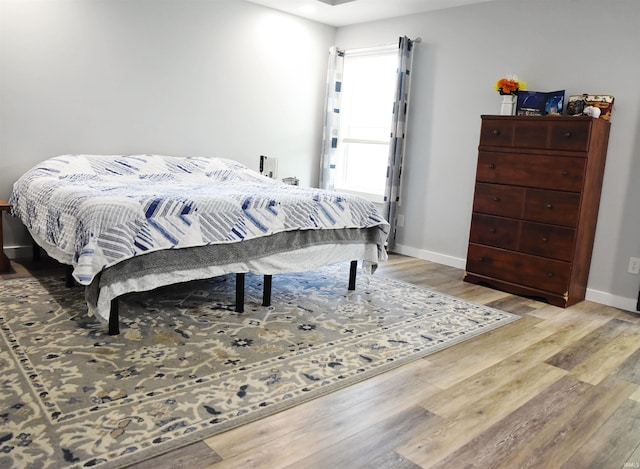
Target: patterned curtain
(398,134)
(328,158)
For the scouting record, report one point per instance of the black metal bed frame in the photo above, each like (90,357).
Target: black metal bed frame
(114,313)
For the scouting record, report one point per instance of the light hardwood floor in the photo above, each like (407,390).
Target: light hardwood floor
(557,388)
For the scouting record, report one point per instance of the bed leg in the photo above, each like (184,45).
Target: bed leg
(352,275)
(114,321)
(68,276)
(266,290)
(240,293)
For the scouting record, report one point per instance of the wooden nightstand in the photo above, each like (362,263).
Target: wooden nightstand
(4,261)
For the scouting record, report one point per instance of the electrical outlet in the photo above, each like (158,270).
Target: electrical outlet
(634,265)
(400,220)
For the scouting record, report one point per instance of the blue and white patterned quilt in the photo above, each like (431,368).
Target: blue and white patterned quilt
(93,211)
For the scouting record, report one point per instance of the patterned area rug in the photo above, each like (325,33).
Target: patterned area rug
(186,366)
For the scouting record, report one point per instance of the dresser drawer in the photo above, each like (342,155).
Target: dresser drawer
(570,136)
(531,135)
(497,199)
(523,269)
(562,136)
(546,172)
(554,207)
(494,231)
(497,133)
(556,242)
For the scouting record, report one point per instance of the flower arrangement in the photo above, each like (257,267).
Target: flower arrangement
(510,85)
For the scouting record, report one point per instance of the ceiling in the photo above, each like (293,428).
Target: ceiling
(346,12)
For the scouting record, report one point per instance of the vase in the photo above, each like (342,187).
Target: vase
(508,104)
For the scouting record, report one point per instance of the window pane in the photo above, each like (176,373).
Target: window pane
(368,96)
(366,167)
(368,87)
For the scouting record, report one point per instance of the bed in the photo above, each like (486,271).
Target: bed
(130,223)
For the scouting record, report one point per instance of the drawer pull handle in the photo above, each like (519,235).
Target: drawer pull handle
(545,239)
(565,172)
(549,274)
(496,132)
(492,166)
(496,199)
(549,206)
(567,134)
(492,230)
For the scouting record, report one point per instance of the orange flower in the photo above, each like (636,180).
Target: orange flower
(509,85)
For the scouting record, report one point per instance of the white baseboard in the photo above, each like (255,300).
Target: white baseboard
(604,298)
(430,256)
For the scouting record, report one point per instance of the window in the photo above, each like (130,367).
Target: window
(368,85)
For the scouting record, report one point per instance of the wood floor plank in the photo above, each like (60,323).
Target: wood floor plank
(195,455)
(324,439)
(371,443)
(443,439)
(515,304)
(476,387)
(588,313)
(633,317)
(613,443)
(388,460)
(609,357)
(547,311)
(456,364)
(414,272)
(484,295)
(513,432)
(470,290)
(629,370)
(559,439)
(428,280)
(577,353)
(568,333)
(633,461)
(636,395)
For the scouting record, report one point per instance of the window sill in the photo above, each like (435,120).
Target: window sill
(375,198)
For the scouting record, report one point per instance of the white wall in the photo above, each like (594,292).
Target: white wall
(580,46)
(191,77)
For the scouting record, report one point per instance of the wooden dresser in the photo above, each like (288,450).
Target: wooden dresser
(535,207)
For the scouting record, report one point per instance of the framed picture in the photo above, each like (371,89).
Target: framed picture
(538,103)
(530,103)
(555,102)
(577,103)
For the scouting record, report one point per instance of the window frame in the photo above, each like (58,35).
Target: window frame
(388,50)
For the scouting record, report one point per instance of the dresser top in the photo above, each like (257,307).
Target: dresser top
(550,118)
